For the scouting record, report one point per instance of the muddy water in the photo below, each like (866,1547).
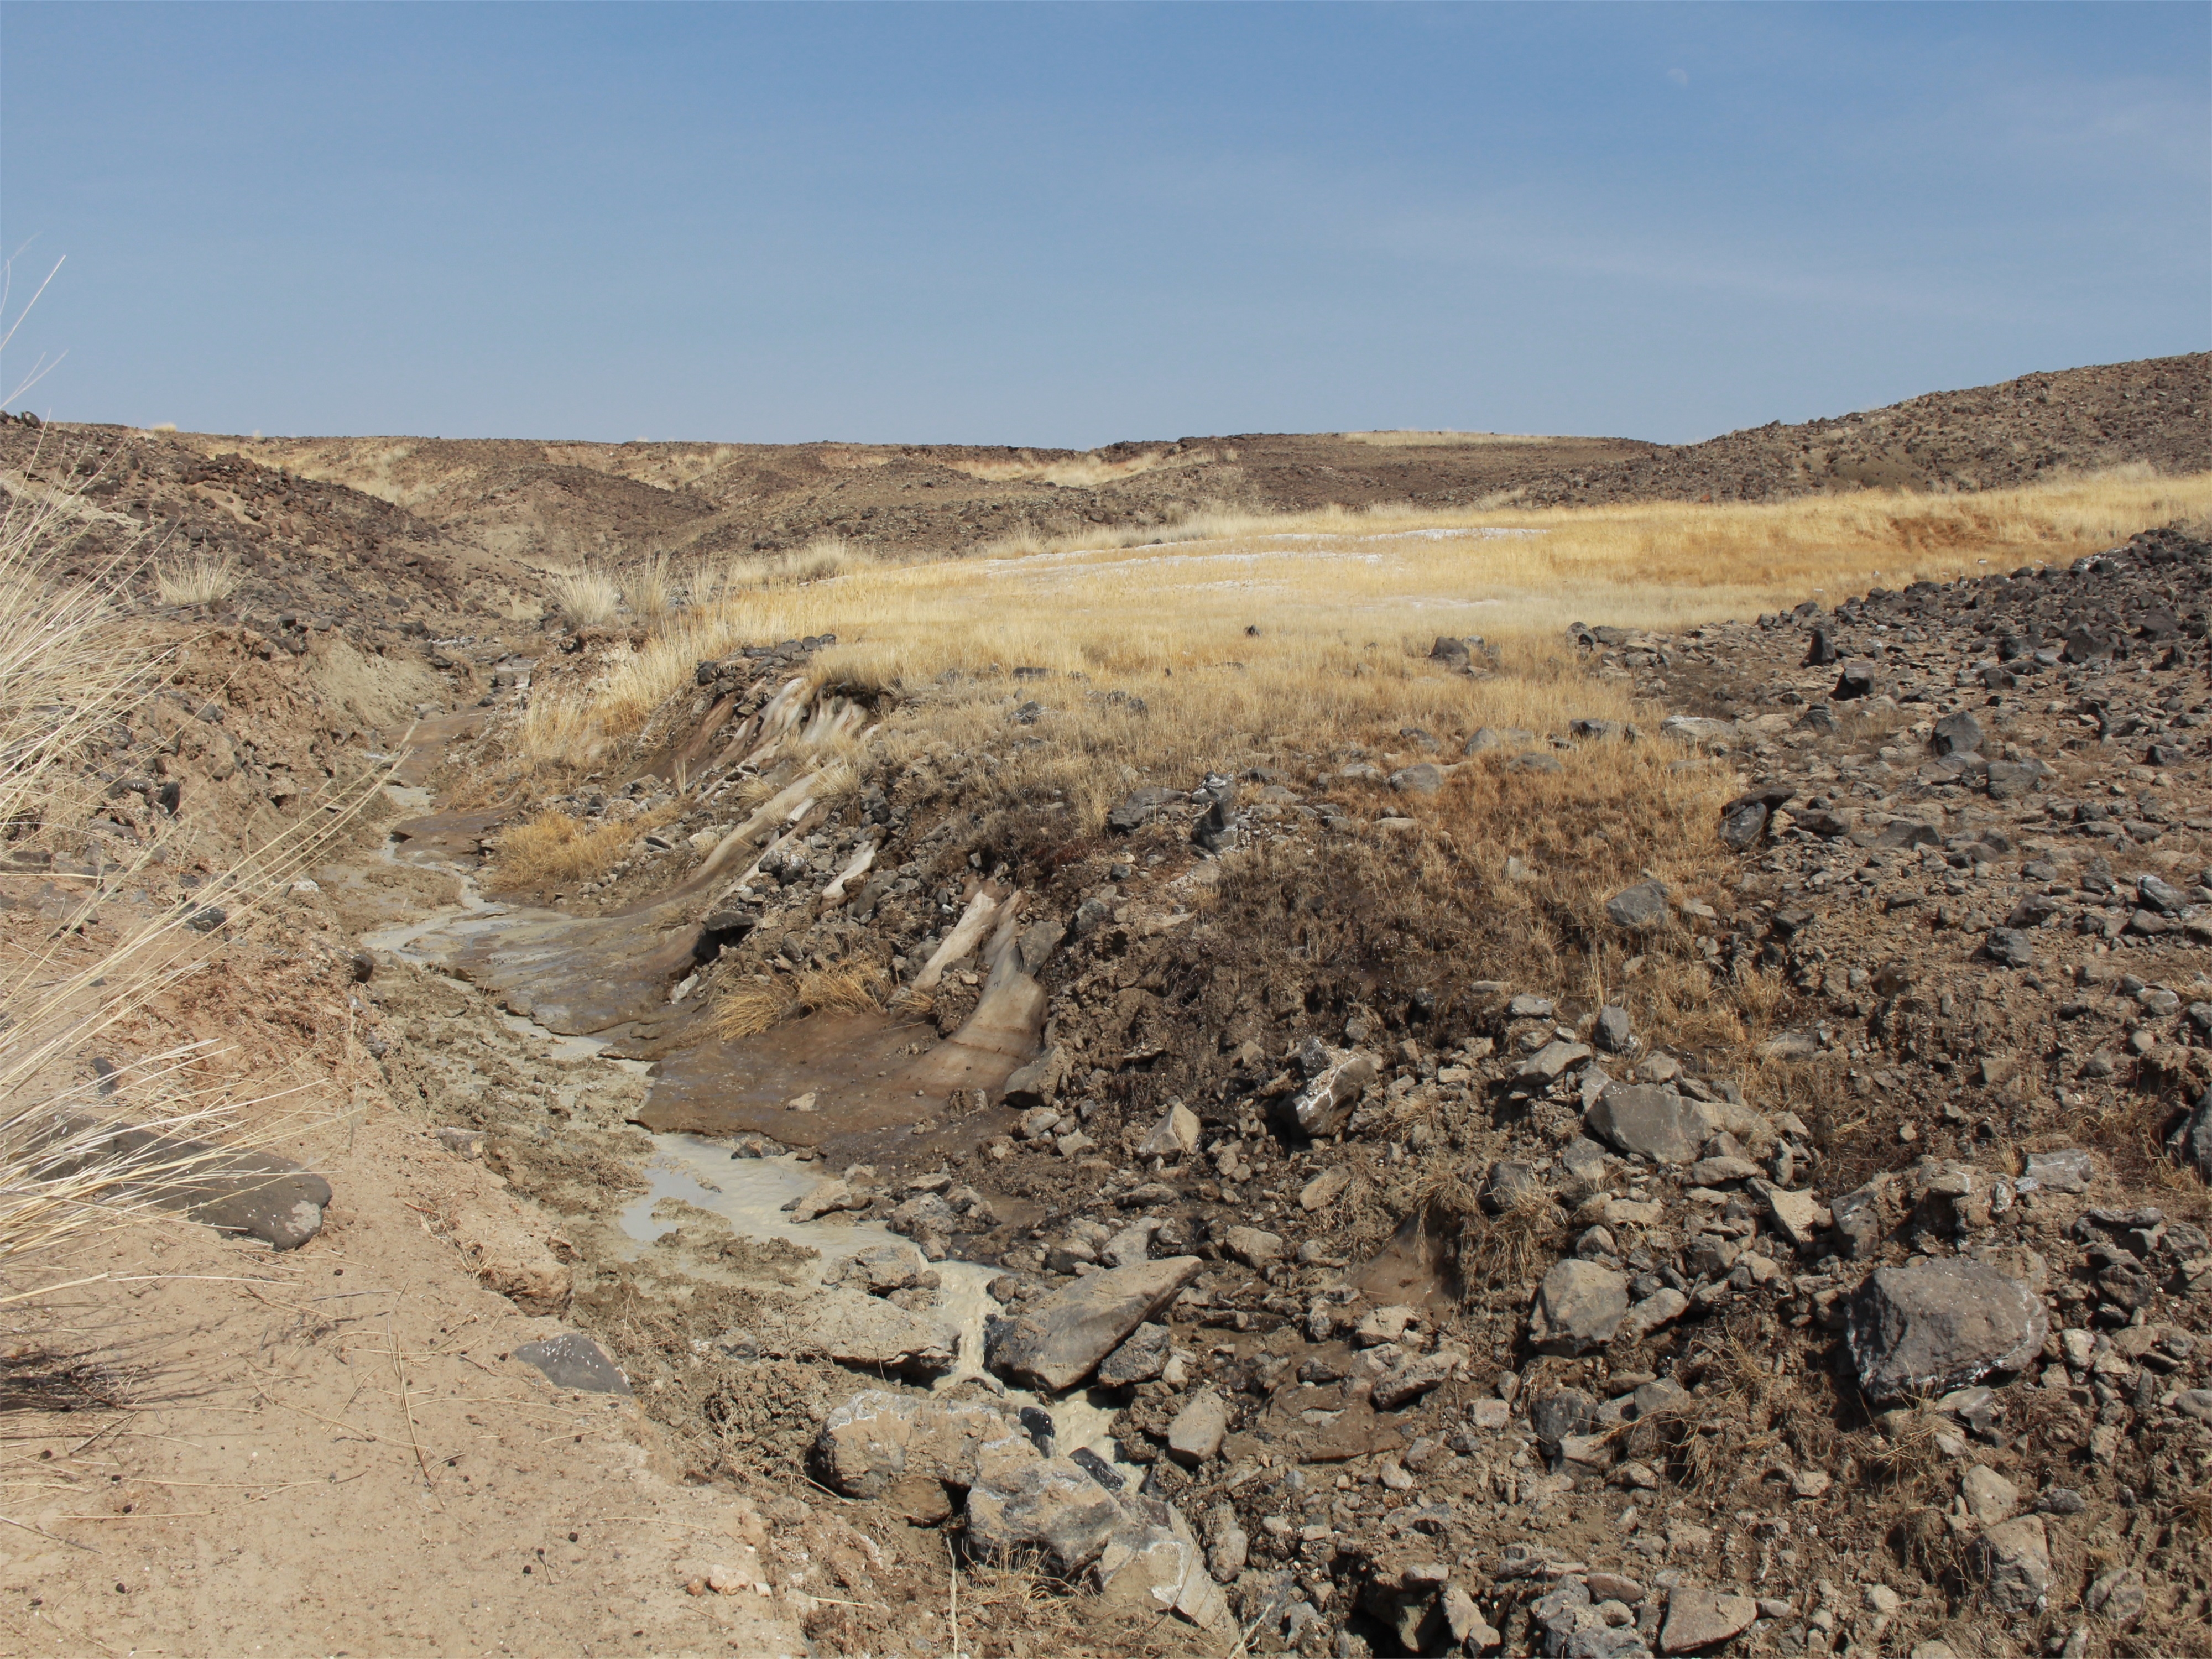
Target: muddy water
(749,1194)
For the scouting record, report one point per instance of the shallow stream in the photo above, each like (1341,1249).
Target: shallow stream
(749,1194)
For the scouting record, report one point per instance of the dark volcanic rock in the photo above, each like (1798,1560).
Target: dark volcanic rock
(1933,1326)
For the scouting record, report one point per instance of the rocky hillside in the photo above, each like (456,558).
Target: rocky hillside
(479,505)
(2157,412)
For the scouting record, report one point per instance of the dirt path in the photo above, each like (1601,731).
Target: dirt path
(226,1449)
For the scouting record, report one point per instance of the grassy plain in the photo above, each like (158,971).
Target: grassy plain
(1318,623)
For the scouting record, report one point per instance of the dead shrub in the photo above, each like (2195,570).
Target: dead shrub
(555,846)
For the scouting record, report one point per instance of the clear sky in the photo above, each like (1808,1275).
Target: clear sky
(1066,225)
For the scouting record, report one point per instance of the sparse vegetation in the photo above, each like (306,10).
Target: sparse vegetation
(848,987)
(648,589)
(200,577)
(555,846)
(587,594)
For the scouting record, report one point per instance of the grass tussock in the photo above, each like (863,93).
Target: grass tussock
(198,578)
(587,595)
(554,847)
(650,588)
(845,987)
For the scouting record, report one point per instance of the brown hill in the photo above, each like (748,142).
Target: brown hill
(365,526)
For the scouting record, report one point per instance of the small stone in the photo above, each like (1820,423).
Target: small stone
(1323,1106)
(2013,947)
(1990,1497)
(1198,1429)
(1638,907)
(2015,1558)
(1612,1032)
(1253,1246)
(2118,1598)
(1324,1190)
(1426,778)
(2070,1170)
(1579,1306)
(1646,1119)
(1957,734)
(1702,1619)
(1935,1325)
(1553,1057)
(1662,1307)
(1800,1217)
(1143,1355)
(1175,1134)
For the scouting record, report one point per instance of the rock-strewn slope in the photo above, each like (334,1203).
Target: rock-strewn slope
(1798,1250)
(376,504)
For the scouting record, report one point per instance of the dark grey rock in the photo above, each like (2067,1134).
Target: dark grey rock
(1742,823)
(2192,1143)
(2013,780)
(2160,895)
(1854,679)
(1142,1357)
(1488,737)
(1643,1118)
(1933,1326)
(1512,1186)
(1059,1340)
(1578,1307)
(572,1360)
(1957,734)
(2070,1170)
(1638,907)
(1142,806)
(1612,1031)
(1561,1413)
(2010,946)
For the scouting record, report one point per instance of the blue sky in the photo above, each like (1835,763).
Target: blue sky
(1066,225)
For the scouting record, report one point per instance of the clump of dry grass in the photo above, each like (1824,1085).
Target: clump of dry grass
(845,987)
(648,588)
(588,594)
(555,846)
(198,578)
(1501,1252)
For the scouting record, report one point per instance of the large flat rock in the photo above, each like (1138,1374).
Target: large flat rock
(1058,1341)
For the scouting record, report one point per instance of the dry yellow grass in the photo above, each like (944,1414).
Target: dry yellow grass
(199,578)
(1318,623)
(649,590)
(846,988)
(588,594)
(554,847)
(1085,472)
